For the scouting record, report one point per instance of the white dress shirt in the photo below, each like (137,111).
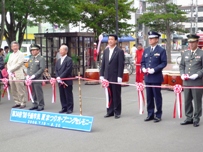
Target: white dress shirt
(111,51)
(62,58)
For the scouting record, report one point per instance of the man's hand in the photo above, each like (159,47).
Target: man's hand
(58,79)
(101,78)
(119,80)
(151,71)
(32,77)
(183,77)
(144,70)
(27,77)
(193,77)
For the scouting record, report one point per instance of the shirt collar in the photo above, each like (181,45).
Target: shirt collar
(153,47)
(62,58)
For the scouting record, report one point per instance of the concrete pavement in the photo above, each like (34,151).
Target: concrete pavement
(128,134)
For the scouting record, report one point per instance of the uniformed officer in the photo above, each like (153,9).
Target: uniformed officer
(154,59)
(191,70)
(36,66)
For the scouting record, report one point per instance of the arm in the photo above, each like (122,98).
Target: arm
(41,67)
(182,64)
(103,64)
(121,63)
(163,62)
(68,69)
(18,64)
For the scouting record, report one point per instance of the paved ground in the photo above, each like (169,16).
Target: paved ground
(128,134)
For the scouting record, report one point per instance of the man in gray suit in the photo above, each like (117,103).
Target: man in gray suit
(191,70)
(36,66)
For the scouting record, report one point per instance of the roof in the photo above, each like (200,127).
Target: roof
(120,39)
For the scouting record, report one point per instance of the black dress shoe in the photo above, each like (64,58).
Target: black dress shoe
(186,122)
(16,106)
(117,116)
(149,118)
(63,110)
(195,124)
(33,108)
(22,106)
(40,109)
(107,115)
(157,119)
(69,112)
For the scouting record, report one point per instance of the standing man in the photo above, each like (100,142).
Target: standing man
(36,66)
(15,67)
(112,70)
(191,70)
(64,70)
(154,59)
(138,59)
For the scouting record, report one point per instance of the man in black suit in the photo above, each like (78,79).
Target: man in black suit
(154,59)
(112,70)
(64,70)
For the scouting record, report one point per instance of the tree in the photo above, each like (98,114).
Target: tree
(21,13)
(2,20)
(100,16)
(163,17)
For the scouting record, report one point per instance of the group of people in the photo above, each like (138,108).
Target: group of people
(35,70)
(150,63)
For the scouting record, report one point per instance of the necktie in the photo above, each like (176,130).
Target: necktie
(192,53)
(151,50)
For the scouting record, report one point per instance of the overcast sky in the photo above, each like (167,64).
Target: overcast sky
(188,2)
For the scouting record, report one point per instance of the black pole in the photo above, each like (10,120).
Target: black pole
(116,17)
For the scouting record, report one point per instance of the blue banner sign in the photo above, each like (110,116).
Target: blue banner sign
(82,123)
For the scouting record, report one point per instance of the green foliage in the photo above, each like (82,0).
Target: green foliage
(163,15)
(30,12)
(100,15)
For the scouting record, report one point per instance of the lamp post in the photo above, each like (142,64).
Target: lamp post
(116,2)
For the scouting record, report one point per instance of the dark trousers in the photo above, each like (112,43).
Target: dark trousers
(154,93)
(190,112)
(66,97)
(37,94)
(114,99)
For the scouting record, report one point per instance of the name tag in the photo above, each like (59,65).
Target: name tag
(36,61)
(186,57)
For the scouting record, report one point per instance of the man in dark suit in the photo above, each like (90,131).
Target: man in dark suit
(112,70)
(64,70)
(36,66)
(191,70)
(154,59)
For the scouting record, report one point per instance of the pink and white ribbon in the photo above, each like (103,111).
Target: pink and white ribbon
(28,83)
(178,101)
(5,82)
(105,85)
(53,84)
(141,99)
(186,76)
(99,43)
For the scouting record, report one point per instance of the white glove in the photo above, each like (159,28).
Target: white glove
(183,77)
(32,77)
(101,78)
(119,80)
(58,79)
(151,71)
(193,77)
(144,70)
(27,77)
